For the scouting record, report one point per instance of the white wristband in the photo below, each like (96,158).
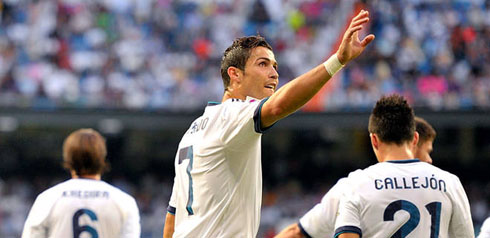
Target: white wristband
(333,65)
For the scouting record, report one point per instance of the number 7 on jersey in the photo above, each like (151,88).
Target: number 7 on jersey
(186,153)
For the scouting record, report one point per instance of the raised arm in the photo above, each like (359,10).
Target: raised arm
(299,91)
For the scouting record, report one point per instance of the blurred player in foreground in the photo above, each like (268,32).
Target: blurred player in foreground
(401,196)
(217,189)
(83,206)
(320,220)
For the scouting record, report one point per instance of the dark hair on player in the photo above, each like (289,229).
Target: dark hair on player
(84,151)
(425,130)
(392,120)
(238,53)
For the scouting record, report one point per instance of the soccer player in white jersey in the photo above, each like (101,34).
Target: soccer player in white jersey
(217,189)
(401,196)
(320,220)
(83,206)
(427,135)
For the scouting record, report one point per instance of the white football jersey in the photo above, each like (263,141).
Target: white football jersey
(83,208)
(217,188)
(320,220)
(405,198)
(485,229)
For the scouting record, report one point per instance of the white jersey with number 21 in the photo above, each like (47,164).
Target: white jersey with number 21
(405,198)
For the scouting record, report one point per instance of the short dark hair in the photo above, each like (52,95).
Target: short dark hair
(392,119)
(425,130)
(238,53)
(84,151)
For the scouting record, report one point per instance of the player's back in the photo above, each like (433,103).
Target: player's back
(79,206)
(218,184)
(405,199)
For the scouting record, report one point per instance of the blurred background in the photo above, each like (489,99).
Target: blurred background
(140,71)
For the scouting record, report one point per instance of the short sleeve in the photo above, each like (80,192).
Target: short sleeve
(320,220)
(349,217)
(172,204)
(461,224)
(257,118)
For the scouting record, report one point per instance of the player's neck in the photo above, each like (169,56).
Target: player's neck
(85,176)
(231,94)
(395,152)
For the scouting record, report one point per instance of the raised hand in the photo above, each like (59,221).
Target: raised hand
(351,46)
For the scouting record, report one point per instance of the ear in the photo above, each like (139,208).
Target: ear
(415,139)
(374,140)
(235,74)
(73,173)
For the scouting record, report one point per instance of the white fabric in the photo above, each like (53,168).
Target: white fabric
(54,213)
(320,220)
(226,173)
(333,65)
(421,186)
(485,229)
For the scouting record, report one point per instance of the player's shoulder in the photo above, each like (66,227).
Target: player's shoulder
(53,192)
(354,177)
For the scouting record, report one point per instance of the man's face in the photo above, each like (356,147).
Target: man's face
(260,78)
(423,151)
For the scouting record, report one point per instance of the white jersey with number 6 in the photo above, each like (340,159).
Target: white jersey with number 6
(405,198)
(218,175)
(83,208)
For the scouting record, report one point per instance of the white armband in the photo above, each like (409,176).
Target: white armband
(333,65)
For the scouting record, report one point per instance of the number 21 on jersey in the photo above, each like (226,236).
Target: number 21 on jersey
(433,208)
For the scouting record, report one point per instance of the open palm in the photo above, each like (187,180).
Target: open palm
(351,46)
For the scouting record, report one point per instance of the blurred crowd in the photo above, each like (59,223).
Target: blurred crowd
(165,55)
(282,205)
(435,52)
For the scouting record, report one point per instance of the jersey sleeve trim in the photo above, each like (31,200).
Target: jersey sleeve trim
(348,229)
(303,231)
(171,210)
(213,103)
(257,120)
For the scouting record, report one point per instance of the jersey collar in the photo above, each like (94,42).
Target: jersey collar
(406,161)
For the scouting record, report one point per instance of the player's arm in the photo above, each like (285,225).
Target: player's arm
(349,235)
(168,229)
(296,93)
(292,231)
